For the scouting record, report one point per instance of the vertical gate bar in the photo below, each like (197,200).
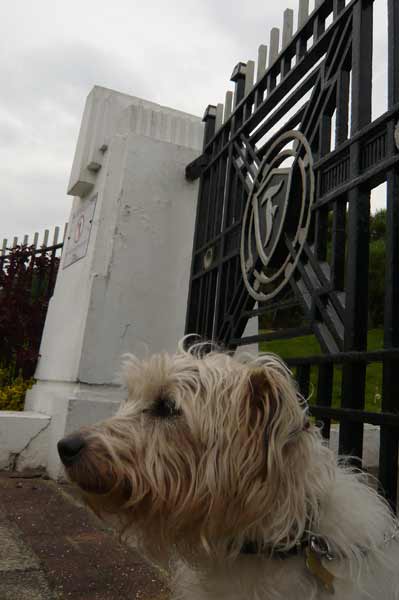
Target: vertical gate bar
(233,193)
(393,52)
(200,304)
(220,197)
(249,77)
(321,221)
(324,394)
(50,282)
(271,82)
(210,124)
(274,45)
(238,77)
(338,245)
(319,28)
(303,13)
(388,472)
(192,310)
(230,181)
(210,307)
(325,135)
(288,26)
(300,47)
(356,314)
(339,6)
(342,121)
(303,379)
(321,234)
(209,130)
(228,105)
(209,202)
(262,62)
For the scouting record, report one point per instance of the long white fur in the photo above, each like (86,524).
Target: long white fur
(238,465)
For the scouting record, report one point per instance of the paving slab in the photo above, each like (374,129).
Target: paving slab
(53,548)
(25,586)
(21,577)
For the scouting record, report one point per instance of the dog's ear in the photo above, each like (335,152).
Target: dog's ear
(274,396)
(262,393)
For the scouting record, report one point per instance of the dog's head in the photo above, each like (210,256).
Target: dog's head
(206,452)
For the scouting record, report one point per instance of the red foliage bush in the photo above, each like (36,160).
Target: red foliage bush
(27,278)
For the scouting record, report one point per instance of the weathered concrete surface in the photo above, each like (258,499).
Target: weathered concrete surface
(52,548)
(23,438)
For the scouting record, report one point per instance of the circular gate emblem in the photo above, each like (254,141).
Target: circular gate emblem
(277,216)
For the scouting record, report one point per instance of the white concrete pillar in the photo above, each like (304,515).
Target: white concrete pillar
(123,279)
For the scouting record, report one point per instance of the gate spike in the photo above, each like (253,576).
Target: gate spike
(288,26)
(262,61)
(15,242)
(228,105)
(4,247)
(303,12)
(56,234)
(238,77)
(35,239)
(274,45)
(219,117)
(209,119)
(249,76)
(26,239)
(45,239)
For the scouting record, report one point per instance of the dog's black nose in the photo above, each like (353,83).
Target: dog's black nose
(69,448)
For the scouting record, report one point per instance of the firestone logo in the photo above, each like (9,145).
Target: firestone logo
(277,216)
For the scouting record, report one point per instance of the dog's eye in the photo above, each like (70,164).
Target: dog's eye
(164,408)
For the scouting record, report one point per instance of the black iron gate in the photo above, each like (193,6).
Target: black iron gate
(284,211)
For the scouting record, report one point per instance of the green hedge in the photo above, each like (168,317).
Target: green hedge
(13,389)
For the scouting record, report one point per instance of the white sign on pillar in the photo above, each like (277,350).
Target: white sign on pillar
(78,238)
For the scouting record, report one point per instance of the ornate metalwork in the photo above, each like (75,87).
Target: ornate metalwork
(295,237)
(279,205)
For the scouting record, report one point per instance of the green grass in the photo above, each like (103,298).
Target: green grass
(308,346)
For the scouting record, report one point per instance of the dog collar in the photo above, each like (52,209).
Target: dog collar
(315,548)
(316,543)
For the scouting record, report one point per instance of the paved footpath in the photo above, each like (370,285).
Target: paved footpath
(52,548)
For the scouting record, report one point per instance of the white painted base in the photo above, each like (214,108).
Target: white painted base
(371,444)
(23,440)
(71,406)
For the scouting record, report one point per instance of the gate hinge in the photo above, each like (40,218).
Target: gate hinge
(194,169)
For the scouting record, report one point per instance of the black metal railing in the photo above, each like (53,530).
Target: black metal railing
(321,78)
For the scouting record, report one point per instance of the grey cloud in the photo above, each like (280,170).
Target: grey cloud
(39,121)
(177,53)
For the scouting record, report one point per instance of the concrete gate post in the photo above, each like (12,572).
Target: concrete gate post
(123,279)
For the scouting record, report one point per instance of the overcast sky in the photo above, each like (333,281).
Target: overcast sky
(179,53)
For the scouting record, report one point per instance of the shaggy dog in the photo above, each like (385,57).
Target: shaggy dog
(213,468)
